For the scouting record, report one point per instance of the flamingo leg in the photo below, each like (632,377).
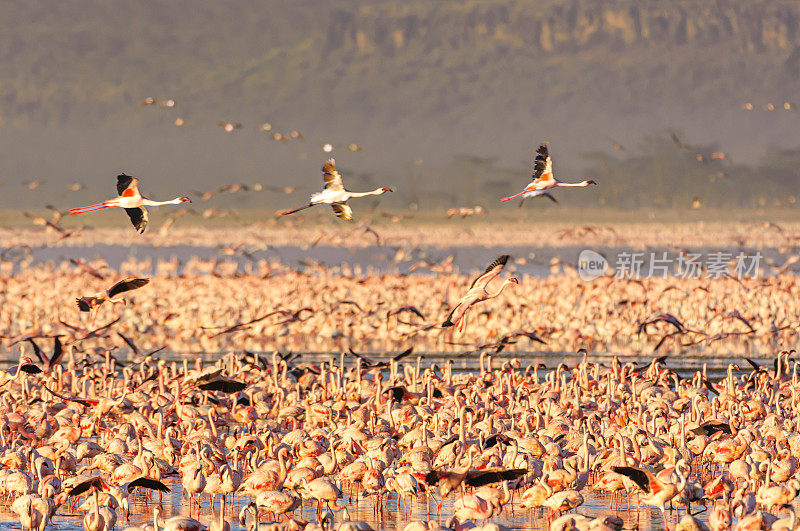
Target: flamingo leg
(286,213)
(509,198)
(91,208)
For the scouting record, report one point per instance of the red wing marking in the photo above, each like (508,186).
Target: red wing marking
(546,177)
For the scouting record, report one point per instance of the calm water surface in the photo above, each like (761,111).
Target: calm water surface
(390,518)
(535,261)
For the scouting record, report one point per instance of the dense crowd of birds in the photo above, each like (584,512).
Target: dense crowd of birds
(404,231)
(271,435)
(214,305)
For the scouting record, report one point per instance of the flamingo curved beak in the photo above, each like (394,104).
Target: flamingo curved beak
(185,200)
(387,189)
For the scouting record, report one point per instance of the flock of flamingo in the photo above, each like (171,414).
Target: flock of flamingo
(307,445)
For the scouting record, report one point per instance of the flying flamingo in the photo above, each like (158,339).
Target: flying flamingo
(477,293)
(132,201)
(543,178)
(335,194)
(89,304)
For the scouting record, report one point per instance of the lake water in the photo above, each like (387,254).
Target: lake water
(390,518)
(535,261)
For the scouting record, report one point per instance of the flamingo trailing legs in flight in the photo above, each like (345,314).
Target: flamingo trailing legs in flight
(335,194)
(132,201)
(543,178)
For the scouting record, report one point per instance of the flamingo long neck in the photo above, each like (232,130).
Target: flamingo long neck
(150,202)
(282,467)
(377,191)
(682,480)
(96,507)
(499,291)
(470,460)
(581,184)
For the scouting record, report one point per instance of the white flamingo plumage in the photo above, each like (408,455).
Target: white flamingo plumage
(277,502)
(543,178)
(29,516)
(335,194)
(132,201)
(178,523)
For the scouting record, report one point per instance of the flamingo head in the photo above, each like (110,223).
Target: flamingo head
(185,200)
(387,189)
(60,498)
(245,509)
(513,280)
(590,182)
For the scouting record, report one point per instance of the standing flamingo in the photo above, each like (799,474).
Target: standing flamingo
(94,521)
(477,293)
(543,178)
(276,502)
(178,523)
(322,490)
(194,481)
(132,201)
(30,517)
(659,492)
(335,194)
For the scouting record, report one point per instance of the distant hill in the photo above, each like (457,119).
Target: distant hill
(406,79)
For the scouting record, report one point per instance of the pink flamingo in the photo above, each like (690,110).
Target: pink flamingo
(132,201)
(543,178)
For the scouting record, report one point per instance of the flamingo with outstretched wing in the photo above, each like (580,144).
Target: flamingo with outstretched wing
(543,178)
(132,201)
(478,293)
(335,194)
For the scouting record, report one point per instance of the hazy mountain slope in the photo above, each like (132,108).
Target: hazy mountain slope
(408,79)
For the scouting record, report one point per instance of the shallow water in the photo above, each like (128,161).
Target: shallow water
(716,367)
(534,261)
(390,518)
